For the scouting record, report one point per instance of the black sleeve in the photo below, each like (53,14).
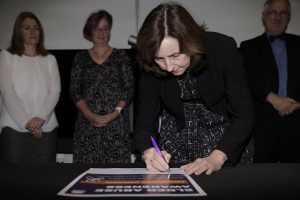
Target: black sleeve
(239,102)
(148,109)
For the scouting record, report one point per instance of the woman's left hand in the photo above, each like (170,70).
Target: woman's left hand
(213,162)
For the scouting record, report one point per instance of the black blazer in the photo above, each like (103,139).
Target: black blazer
(262,73)
(223,90)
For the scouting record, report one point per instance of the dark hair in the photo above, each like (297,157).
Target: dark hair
(93,21)
(170,19)
(17,43)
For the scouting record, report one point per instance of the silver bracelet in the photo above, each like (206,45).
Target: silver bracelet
(119,110)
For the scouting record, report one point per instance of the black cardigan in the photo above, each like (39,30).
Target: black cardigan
(223,89)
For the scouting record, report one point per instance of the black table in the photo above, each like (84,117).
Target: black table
(253,181)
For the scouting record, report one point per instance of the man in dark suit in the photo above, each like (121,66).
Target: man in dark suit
(273,68)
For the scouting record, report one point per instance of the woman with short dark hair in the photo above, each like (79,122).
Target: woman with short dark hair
(101,87)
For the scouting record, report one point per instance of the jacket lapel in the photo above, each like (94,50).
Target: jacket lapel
(171,96)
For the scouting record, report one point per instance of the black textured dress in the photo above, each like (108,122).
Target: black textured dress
(203,128)
(102,86)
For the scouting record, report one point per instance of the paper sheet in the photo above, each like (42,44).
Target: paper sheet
(116,182)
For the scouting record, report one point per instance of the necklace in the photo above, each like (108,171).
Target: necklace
(100,56)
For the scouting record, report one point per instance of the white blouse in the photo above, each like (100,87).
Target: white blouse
(30,87)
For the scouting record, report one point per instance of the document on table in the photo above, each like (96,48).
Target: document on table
(116,182)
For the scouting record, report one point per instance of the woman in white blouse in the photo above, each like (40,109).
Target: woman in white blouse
(30,89)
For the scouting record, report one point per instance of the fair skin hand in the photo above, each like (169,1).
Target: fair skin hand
(99,120)
(154,162)
(34,125)
(214,162)
(284,105)
(104,120)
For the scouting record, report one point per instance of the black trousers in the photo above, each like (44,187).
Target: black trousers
(20,147)
(278,139)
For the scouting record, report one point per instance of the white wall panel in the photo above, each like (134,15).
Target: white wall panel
(63,20)
(240,19)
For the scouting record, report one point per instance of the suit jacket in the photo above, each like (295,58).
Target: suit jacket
(223,90)
(262,73)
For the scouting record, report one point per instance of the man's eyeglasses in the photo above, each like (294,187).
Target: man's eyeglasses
(282,14)
(103,30)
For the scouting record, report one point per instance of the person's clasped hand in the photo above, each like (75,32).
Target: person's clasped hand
(284,105)
(34,125)
(104,120)
(154,162)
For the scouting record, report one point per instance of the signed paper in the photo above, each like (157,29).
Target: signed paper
(99,182)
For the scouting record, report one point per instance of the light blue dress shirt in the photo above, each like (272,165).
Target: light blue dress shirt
(280,55)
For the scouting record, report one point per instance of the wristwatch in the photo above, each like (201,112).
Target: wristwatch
(119,110)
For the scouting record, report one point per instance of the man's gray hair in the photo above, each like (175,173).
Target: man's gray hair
(270,2)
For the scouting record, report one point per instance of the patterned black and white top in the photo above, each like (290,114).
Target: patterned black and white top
(102,86)
(203,128)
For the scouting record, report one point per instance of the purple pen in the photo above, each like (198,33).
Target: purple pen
(158,151)
(156,146)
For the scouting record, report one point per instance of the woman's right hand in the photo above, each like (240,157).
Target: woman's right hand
(154,162)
